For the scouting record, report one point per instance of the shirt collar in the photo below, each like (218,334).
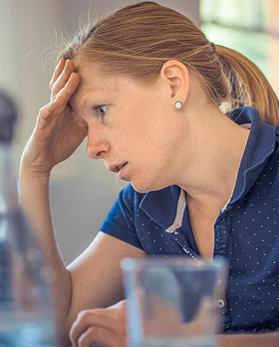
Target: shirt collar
(259,147)
(162,206)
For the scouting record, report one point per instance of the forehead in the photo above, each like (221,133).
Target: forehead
(95,81)
(95,77)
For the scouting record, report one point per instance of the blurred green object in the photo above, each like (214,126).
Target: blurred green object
(250,27)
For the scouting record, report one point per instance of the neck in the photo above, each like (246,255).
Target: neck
(214,161)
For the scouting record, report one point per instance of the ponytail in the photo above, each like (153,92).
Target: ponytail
(247,86)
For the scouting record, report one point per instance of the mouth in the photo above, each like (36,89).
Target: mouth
(117,168)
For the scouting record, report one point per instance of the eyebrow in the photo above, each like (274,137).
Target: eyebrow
(76,112)
(81,107)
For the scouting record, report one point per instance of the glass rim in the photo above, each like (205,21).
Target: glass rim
(130,264)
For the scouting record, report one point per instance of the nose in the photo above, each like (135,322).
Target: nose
(97,149)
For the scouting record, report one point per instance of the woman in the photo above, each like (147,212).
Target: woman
(146,88)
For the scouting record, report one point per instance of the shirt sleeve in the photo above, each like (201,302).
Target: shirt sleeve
(120,221)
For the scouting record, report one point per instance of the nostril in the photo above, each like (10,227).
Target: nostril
(95,154)
(97,149)
(100,154)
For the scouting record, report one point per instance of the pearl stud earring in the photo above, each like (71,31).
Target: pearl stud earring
(178,105)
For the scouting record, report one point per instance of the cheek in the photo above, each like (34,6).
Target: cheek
(146,128)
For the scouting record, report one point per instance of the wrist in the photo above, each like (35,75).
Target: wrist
(35,171)
(31,179)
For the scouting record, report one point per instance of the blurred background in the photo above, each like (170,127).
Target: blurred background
(82,190)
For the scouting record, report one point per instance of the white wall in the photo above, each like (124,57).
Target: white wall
(82,190)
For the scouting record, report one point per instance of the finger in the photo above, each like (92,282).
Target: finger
(70,86)
(99,318)
(56,106)
(85,320)
(59,103)
(61,99)
(52,109)
(63,78)
(58,70)
(101,336)
(120,305)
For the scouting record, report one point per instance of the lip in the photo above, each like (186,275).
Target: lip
(121,171)
(117,168)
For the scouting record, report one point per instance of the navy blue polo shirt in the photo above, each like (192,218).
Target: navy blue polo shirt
(246,229)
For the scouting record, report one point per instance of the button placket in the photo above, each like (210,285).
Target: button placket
(220,250)
(178,236)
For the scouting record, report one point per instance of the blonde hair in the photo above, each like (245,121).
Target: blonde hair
(138,39)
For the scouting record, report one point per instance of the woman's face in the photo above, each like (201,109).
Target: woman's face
(132,126)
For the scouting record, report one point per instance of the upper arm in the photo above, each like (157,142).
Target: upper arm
(96,274)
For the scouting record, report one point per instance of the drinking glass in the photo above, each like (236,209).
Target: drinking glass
(173,302)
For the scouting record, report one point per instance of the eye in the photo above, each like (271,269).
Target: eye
(102,110)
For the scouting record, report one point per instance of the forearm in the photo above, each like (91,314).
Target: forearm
(249,340)
(34,199)
(55,137)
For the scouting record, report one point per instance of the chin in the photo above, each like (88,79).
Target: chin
(140,188)
(143,188)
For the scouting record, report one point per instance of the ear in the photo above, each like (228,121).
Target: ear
(176,76)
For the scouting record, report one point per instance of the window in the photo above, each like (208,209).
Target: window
(250,27)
